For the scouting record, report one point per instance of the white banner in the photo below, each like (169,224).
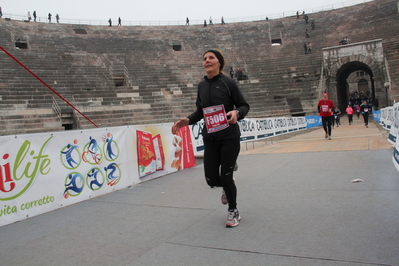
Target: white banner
(43,172)
(253,129)
(391,122)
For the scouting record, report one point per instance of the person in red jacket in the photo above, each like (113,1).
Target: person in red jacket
(325,109)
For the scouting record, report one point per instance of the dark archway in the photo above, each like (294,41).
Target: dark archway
(342,84)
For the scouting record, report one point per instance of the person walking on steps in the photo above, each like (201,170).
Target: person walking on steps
(218,96)
(325,108)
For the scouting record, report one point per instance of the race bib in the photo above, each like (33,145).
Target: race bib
(215,118)
(325,108)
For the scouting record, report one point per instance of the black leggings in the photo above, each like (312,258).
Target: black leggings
(220,157)
(327,121)
(350,118)
(366,118)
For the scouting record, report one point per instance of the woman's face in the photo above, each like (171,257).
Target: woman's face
(211,64)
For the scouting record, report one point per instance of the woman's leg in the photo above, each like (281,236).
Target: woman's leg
(366,119)
(212,160)
(229,152)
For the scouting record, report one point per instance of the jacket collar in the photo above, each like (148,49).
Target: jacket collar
(214,78)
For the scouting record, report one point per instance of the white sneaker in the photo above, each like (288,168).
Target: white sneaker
(233,218)
(326,136)
(224,198)
(329,137)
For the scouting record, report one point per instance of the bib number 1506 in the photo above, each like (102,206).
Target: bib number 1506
(215,118)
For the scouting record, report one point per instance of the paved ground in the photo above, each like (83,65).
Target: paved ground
(298,204)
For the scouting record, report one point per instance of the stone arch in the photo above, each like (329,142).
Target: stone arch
(339,72)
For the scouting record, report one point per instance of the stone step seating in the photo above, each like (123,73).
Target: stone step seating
(29,123)
(282,79)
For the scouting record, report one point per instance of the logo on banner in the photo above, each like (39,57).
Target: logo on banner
(93,153)
(18,176)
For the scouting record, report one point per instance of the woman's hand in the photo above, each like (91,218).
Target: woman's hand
(233,114)
(179,124)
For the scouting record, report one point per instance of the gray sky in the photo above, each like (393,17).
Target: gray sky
(166,10)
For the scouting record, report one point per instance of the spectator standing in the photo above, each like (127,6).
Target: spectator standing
(210,21)
(221,142)
(307,33)
(349,112)
(231,72)
(119,21)
(305,47)
(187,21)
(297,14)
(309,47)
(29,17)
(325,108)
(223,21)
(49,17)
(1,12)
(57,17)
(34,15)
(110,22)
(205,23)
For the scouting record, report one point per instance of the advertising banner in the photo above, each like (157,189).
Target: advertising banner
(280,125)
(313,121)
(264,128)
(46,171)
(377,116)
(247,129)
(386,117)
(253,129)
(393,119)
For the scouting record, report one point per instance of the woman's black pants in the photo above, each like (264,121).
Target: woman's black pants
(220,157)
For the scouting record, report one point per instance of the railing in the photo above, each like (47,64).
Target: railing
(192,22)
(57,109)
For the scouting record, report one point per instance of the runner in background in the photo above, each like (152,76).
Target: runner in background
(325,109)
(349,111)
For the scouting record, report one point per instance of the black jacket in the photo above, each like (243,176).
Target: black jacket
(221,89)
